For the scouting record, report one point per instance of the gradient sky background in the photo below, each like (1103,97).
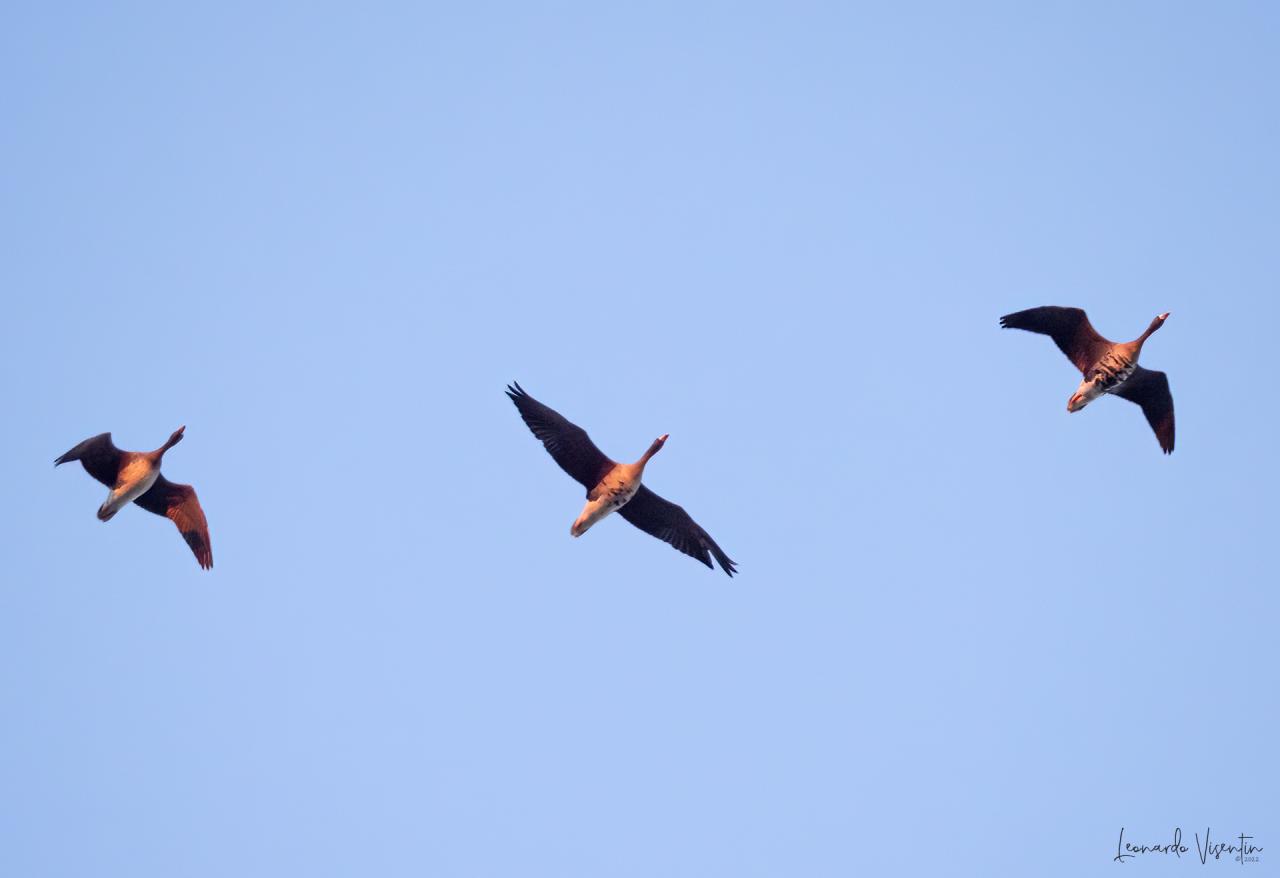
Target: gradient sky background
(972,634)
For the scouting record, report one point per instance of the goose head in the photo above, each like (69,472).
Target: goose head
(174,438)
(1155,324)
(655,447)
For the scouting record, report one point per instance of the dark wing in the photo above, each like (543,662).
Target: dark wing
(178,503)
(567,443)
(99,457)
(1068,327)
(670,523)
(1150,389)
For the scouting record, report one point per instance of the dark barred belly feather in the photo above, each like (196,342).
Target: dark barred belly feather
(1112,371)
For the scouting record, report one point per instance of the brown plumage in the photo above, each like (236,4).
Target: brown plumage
(1107,366)
(615,486)
(134,476)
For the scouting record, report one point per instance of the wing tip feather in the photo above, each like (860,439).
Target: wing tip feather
(727,564)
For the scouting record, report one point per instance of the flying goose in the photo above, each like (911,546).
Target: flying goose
(135,476)
(615,486)
(1107,367)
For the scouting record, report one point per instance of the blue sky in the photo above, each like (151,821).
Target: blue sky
(972,634)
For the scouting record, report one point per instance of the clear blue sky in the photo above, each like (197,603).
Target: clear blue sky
(972,634)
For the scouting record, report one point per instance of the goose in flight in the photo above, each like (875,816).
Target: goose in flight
(615,486)
(1107,366)
(135,476)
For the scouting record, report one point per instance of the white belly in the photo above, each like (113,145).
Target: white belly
(135,480)
(1090,390)
(615,496)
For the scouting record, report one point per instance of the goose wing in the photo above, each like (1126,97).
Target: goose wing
(1150,389)
(179,504)
(1069,328)
(566,442)
(671,524)
(99,457)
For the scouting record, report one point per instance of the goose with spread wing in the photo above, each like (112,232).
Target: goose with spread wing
(613,486)
(1107,366)
(134,476)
